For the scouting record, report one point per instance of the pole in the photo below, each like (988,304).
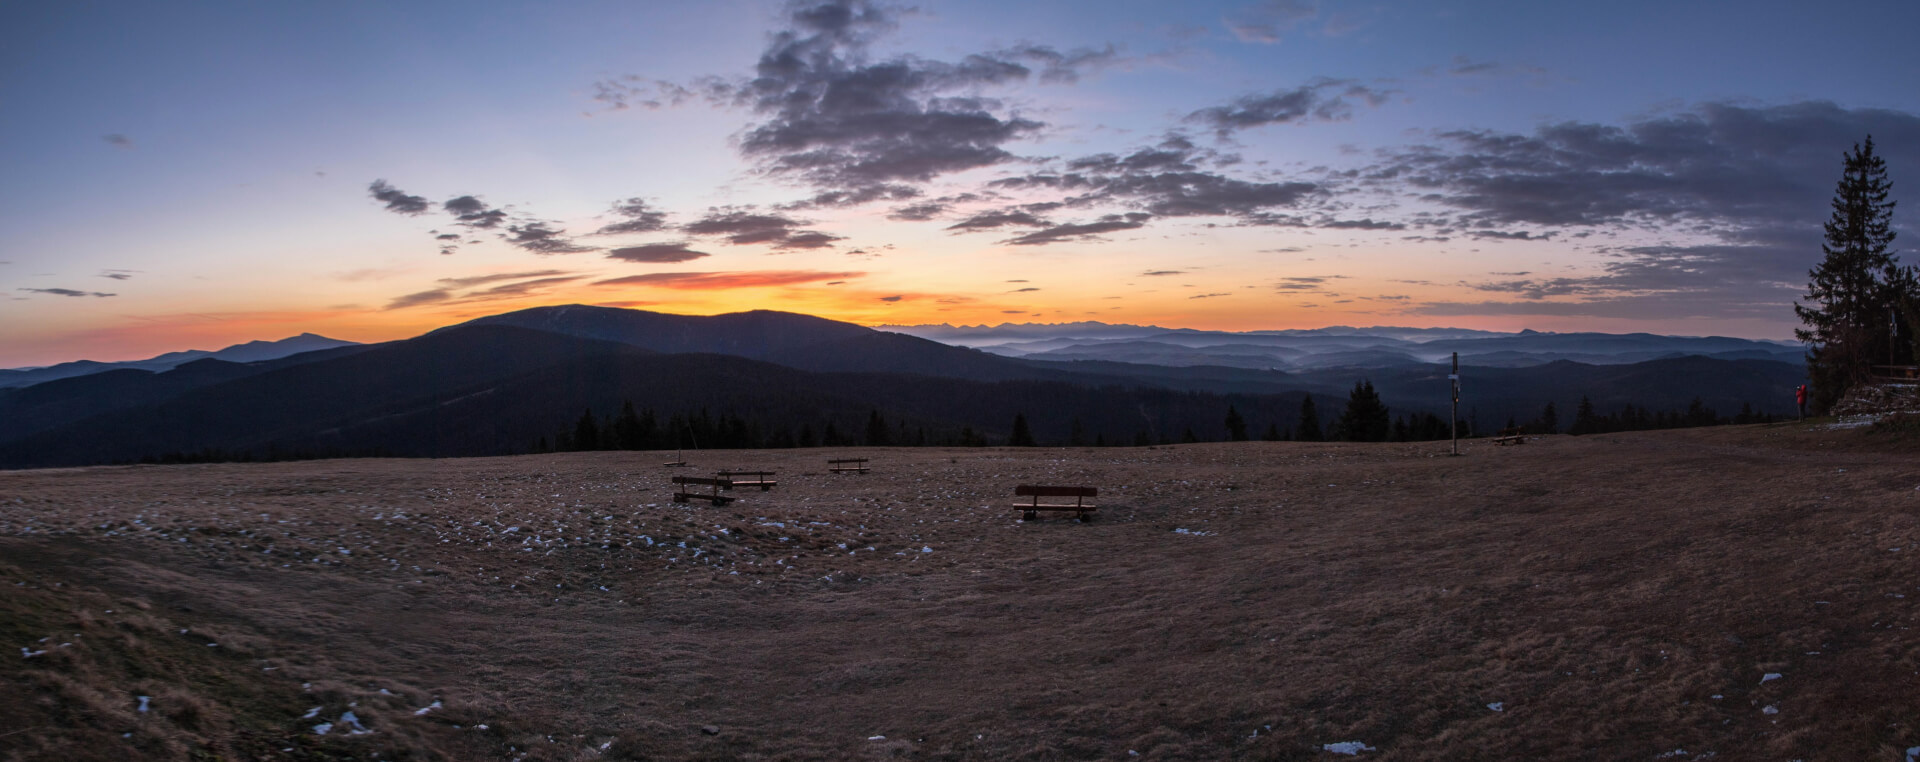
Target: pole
(1453,416)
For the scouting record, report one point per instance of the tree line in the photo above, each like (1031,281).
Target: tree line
(1364,418)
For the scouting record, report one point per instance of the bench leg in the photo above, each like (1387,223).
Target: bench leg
(1086,516)
(1030,516)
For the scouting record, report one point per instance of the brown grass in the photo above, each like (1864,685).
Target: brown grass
(1621,597)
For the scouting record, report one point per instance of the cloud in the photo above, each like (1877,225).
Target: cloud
(1000,219)
(1365,224)
(636,216)
(1167,180)
(675,251)
(419,298)
(64,292)
(119,140)
(1305,283)
(1716,163)
(118,274)
(894,298)
(481,280)
(1023,290)
(536,237)
(744,226)
(1264,22)
(861,127)
(473,213)
(722,281)
(1208,296)
(917,212)
(1322,100)
(1082,231)
(1157,273)
(397,201)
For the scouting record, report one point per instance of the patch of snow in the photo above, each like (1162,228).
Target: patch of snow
(322,728)
(1498,706)
(312,713)
(1770,676)
(1193,532)
(26,653)
(1770,709)
(876,738)
(143,702)
(1349,748)
(427,708)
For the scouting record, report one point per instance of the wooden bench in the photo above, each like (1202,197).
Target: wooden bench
(847,465)
(1511,436)
(1030,509)
(681,495)
(762,479)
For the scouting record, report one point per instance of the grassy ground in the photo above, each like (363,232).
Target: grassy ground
(1612,597)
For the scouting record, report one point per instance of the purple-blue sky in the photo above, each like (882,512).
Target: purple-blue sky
(194,175)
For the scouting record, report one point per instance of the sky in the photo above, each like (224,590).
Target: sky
(193,175)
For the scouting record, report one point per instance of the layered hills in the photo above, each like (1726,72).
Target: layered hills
(500,384)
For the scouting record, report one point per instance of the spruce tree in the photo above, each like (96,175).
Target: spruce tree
(586,432)
(1365,419)
(1852,293)
(1309,429)
(877,434)
(1021,436)
(1236,426)
(1584,420)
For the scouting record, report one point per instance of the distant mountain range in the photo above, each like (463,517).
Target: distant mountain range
(252,351)
(1338,346)
(498,384)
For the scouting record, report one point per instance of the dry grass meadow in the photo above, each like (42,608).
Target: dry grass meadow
(1740,592)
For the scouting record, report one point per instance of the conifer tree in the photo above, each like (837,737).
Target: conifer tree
(877,434)
(1853,293)
(1584,420)
(586,432)
(1365,419)
(1309,429)
(1021,436)
(1236,426)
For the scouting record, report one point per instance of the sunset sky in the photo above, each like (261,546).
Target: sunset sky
(193,175)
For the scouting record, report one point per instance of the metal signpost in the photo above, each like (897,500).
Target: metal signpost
(1453,420)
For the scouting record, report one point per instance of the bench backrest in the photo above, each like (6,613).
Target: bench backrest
(848,460)
(728,474)
(701,480)
(1035,490)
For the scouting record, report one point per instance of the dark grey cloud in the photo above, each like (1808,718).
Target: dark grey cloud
(1000,219)
(473,212)
(1208,296)
(1510,235)
(536,237)
(894,298)
(918,212)
(861,127)
(397,201)
(117,274)
(745,226)
(1171,179)
(636,217)
(675,251)
(1739,192)
(1717,163)
(118,139)
(1363,224)
(1305,283)
(1082,231)
(1322,100)
(64,292)
(1157,273)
